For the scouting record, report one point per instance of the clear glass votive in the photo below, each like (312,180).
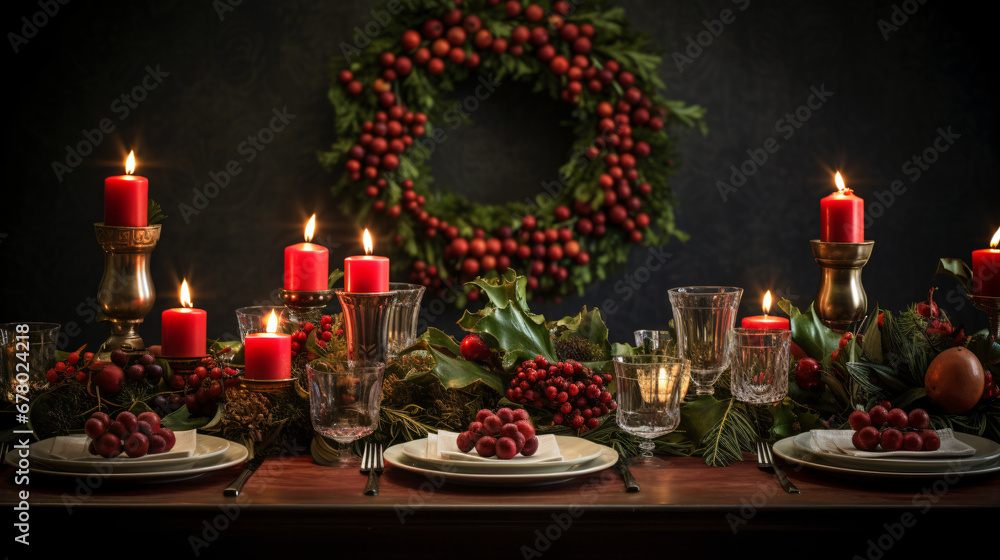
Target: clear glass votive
(403,316)
(253,319)
(759,367)
(29,352)
(650,391)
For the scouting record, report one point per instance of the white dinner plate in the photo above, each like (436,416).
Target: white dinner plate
(789,451)
(233,455)
(986,450)
(575,450)
(206,447)
(394,456)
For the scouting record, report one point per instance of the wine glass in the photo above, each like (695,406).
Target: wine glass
(654,342)
(344,402)
(650,391)
(704,315)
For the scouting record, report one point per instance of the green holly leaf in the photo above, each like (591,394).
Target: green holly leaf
(450,371)
(958,269)
(808,331)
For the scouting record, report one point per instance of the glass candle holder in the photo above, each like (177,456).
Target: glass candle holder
(650,390)
(759,367)
(253,319)
(29,352)
(704,316)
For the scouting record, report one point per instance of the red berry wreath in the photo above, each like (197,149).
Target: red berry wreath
(613,190)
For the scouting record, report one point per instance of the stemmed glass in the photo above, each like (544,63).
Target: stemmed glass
(654,342)
(704,316)
(344,402)
(650,391)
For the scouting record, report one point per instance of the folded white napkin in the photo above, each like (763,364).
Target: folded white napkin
(839,442)
(444,445)
(75,448)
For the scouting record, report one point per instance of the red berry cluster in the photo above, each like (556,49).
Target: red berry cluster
(204,387)
(504,434)
(990,389)
(892,429)
(578,396)
(845,339)
(71,368)
(563,45)
(323,335)
(134,435)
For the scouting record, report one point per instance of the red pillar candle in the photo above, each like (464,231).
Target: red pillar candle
(366,273)
(986,269)
(766,321)
(126,198)
(842,216)
(183,330)
(307,265)
(268,355)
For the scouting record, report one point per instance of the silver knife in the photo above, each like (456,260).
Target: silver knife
(259,455)
(631,485)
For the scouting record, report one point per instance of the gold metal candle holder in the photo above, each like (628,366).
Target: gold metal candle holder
(841,299)
(126,294)
(990,305)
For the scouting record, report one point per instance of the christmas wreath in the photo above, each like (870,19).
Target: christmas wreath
(613,191)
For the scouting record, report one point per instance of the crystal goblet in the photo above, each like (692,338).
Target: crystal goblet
(344,402)
(650,390)
(760,364)
(704,315)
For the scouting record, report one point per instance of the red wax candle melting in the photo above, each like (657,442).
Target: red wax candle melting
(986,269)
(183,329)
(307,266)
(268,355)
(765,321)
(366,273)
(842,216)
(126,198)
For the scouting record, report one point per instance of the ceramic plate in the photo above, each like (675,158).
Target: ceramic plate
(394,456)
(789,451)
(206,447)
(986,450)
(233,455)
(574,450)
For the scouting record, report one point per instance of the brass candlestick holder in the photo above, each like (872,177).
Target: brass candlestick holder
(990,305)
(126,294)
(841,299)
(306,306)
(366,324)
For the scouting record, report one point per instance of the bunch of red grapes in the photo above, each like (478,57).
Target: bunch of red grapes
(892,429)
(504,434)
(134,435)
(578,396)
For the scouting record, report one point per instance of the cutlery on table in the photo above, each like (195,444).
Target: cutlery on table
(372,464)
(765,462)
(621,467)
(260,452)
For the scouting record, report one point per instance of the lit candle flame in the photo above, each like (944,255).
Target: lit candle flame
(767,302)
(185,295)
(840,183)
(272,322)
(369,246)
(130,163)
(996,239)
(310,228)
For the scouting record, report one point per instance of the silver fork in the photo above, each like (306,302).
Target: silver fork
(765,462)
(372,464)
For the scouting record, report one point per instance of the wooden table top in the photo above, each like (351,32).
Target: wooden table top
(293,498)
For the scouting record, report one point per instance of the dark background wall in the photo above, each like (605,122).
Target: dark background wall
(220,79)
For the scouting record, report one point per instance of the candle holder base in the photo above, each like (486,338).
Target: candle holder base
(366,324)
(840,299)
(306,306)
(991,306)
(266,385)
(126,294)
